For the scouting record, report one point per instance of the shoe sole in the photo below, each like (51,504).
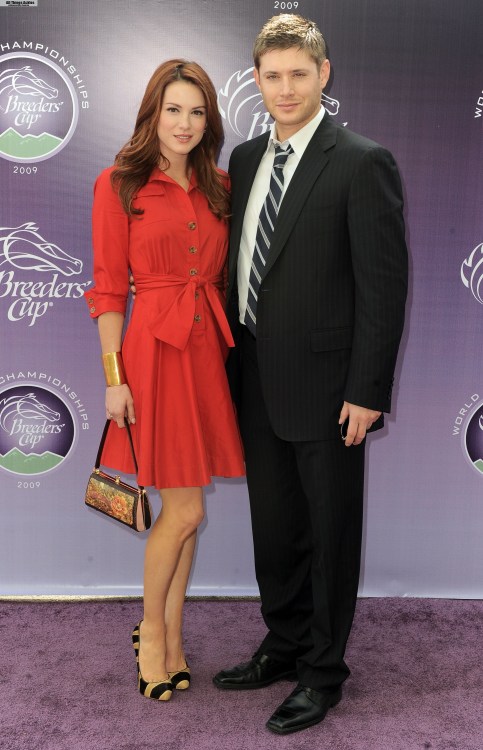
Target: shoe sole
(254,686)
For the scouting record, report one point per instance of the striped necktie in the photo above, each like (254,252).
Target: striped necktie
(265,229)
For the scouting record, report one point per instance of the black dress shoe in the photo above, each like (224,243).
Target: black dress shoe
(303,708)
(260,671)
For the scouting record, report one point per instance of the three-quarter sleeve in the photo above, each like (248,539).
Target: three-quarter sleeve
(110,236)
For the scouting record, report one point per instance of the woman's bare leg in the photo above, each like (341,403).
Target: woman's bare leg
(175,657)
(168,557)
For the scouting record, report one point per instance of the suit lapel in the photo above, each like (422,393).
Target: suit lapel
(313,162)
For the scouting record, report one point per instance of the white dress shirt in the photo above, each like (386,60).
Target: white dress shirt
(299,142)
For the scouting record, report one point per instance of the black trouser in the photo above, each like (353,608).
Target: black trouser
(306,502)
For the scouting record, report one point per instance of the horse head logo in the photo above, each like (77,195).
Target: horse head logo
(24,81)
(24,248)
(472,272)
(241,105)
(25,407)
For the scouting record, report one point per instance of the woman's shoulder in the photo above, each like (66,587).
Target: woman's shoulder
(105,176)
(103,182)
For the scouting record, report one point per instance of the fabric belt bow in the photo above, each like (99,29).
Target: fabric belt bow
(174,324)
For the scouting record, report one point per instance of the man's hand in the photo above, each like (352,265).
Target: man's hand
(359,420)
(119,404)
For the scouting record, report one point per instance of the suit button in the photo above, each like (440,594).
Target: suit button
(193,250)
(192,225)
(197,318)
(193,271)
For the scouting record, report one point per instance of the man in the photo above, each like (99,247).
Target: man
(317,310)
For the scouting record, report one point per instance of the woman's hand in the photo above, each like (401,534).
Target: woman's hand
(119,404)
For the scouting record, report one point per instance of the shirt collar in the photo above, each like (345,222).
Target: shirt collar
(158,175)
(299,140)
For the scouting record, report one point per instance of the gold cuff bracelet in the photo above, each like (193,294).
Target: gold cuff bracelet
(113,368)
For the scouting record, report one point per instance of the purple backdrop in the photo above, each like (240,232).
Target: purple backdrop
(406,74)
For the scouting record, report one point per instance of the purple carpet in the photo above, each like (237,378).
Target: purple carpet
(68,680)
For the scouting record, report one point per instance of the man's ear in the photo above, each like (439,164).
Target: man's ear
(256,76)
(324,73)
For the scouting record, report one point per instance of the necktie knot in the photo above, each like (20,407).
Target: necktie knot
(281,156)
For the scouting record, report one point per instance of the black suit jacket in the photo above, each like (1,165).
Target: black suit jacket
(330,309)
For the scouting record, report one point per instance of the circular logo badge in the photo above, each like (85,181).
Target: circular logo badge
(37,430)
(38,107)
(473,439)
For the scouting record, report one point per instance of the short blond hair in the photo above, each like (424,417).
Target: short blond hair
(289,30)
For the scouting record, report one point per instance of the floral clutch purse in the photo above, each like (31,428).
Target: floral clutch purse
(115,498)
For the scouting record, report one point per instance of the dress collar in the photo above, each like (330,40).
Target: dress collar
(157,175)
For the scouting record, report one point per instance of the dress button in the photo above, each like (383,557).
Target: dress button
(191,225)
(193,271)
(90,301)
(92,310)
(193,250)
(197,295)
(197,318)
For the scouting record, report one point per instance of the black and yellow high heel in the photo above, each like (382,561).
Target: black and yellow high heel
(181,678)
(160,691)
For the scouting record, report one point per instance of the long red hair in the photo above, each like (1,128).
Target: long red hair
(138,157)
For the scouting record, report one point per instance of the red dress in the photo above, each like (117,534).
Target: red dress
(177,339)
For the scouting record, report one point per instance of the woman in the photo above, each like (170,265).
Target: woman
(161,214)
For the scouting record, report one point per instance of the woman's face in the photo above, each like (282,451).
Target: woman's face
(182,121)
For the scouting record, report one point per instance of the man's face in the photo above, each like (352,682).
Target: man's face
(291,87)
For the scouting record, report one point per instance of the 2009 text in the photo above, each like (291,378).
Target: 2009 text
(24,170)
